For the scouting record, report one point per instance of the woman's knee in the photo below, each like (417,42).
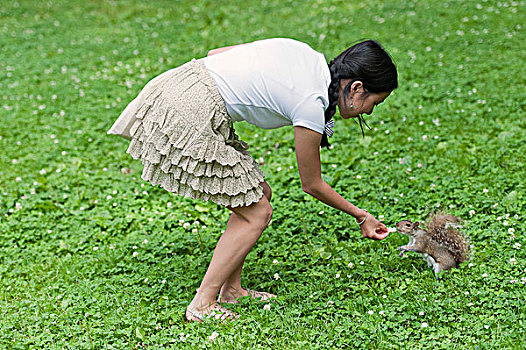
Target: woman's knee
(266,190)
(262,216)
(258,215)
(268,215)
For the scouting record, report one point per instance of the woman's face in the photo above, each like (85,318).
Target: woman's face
(362,102)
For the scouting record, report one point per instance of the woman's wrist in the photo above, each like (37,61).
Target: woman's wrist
(362,217)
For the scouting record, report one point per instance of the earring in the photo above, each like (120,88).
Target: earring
(352,105)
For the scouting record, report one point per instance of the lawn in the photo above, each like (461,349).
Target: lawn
(92,257)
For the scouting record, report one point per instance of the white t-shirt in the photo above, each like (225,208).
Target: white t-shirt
(272,83)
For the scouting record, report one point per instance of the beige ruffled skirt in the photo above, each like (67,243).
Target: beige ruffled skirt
(186,140)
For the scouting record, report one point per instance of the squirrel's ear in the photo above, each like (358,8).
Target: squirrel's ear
(415,225)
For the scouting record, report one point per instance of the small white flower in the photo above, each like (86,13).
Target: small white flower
(358,176)
(337,275)
(361,263)
(421,313)
(382,312)
(163,281)
(275,261)
(350,265)
(484,275)
(135,254)
(276,276)
(321,212)
(517,245)
(424,137)
(471,212)
(513,261)
(145,241)
(485,190)
(470,265)
(466,293)
(213,336)
(495,205)
(424,299)
(95,248)
(513,281)
(186,225)
(330,302)
(384,296)
(505,223)
(266,307)
(424,325)
(43,172)
(370,312)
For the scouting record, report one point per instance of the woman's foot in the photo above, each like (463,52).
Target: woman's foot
(214,312)
(235,293)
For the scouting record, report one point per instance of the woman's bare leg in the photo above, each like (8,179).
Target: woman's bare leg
(232,289)
(239,237)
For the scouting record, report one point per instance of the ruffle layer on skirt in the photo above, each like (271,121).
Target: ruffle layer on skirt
(187,144)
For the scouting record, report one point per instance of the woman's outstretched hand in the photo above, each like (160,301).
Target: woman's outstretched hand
(373,228)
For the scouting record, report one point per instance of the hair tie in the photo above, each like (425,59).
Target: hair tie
(328,127)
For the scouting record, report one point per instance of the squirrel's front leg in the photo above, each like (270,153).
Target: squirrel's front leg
(407,248)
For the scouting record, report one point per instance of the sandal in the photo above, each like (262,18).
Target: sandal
(218,313)
(262,296)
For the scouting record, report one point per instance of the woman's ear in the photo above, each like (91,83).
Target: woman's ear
(357,86)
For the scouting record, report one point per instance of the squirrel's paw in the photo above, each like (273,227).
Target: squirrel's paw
(403,250)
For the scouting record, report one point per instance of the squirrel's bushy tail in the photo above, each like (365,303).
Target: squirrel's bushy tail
(444,228)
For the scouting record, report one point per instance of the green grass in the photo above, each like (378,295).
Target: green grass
(70,220)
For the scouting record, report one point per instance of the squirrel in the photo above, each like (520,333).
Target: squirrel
(443,246)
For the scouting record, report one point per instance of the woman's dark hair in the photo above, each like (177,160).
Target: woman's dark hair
(367,62)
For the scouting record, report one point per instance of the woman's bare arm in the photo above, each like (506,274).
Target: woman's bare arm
(308,156)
